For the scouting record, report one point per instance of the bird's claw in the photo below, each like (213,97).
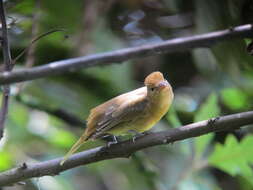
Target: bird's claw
(138,135)
(115,141)
(109,144)
(146,133)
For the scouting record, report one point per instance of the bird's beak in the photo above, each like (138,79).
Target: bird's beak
(163,84)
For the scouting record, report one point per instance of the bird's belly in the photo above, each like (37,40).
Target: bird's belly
(140,125)
(143,123)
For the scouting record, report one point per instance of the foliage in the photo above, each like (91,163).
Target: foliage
(209,109)
(234,98)
(234,157)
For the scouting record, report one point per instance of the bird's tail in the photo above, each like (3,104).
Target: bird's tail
(75,147)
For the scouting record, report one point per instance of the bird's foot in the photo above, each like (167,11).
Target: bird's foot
(114,141)
(137,134)
(146,133)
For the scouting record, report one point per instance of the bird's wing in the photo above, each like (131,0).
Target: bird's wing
(126,110)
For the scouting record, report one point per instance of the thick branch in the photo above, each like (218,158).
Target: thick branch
(118,56)
(126,148)
(7,67)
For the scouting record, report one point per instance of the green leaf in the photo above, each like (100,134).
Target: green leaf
(62,138)
(234,157)
(19,114)
(247,41)
(172,118)
(208,110)
(5,160)
(234,98)
(24,7)
(244,183)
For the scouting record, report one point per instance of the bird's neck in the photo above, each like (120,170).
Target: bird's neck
(160,104)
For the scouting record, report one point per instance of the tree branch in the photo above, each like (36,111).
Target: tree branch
(126,148)
(118,56)
(7,67)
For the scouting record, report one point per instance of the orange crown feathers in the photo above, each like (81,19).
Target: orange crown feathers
(154,78)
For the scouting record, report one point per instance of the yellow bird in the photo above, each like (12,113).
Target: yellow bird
(138,110)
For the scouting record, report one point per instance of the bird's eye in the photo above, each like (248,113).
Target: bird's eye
(152,89)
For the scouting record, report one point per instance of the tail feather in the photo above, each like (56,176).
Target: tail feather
(74,148)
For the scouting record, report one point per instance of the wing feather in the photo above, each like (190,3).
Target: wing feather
(124,113)
(113,113)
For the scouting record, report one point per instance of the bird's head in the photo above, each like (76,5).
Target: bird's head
(156,84)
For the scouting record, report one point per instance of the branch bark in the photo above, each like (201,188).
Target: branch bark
(126,148)
(7,67)
(118,56)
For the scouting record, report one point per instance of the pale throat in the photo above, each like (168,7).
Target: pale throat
(160,104)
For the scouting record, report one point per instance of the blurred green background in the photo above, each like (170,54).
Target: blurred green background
(46,116)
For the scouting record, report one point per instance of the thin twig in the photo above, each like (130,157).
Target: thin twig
(30,55)
(118,56)
(126,148)
(35,40)
(7,67)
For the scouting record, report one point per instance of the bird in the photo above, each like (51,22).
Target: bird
(138,110)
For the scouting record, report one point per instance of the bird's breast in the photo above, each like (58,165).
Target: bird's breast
(154,111)
(159,105)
